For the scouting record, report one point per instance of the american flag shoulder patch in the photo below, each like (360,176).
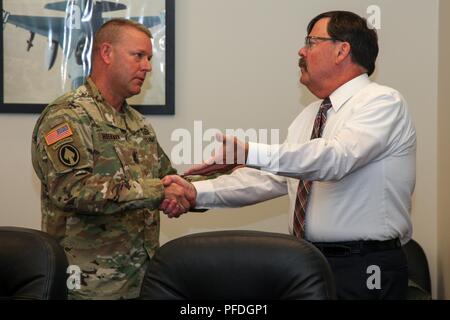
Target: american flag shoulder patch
(61,132)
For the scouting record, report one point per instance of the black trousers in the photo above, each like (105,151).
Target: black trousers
(371,276)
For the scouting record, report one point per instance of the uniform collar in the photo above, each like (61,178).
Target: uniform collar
(342,94)
(126,119)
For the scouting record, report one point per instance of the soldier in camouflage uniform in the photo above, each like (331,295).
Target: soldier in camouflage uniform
(100,166)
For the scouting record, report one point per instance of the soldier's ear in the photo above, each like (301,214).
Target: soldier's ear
(106,52)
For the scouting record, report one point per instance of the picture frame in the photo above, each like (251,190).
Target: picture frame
(45,53)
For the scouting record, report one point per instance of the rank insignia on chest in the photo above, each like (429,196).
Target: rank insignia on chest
(61,132)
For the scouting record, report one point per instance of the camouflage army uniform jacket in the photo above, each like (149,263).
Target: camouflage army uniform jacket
(100,171)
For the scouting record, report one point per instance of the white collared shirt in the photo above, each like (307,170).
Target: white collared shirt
(363,168)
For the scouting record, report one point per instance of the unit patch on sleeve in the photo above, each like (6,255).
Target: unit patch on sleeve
(69,155)
(61,132)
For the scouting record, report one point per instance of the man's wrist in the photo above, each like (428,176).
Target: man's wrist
(205,196)
(258,155)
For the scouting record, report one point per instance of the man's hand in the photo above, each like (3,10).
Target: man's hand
(180,196)
(232,153)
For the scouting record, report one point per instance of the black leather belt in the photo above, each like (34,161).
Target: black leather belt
(343,249)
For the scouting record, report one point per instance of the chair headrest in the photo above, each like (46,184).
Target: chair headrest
(32,265)
(238,265)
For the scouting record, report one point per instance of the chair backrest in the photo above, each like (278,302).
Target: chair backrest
(32,265)
(418,270)
(238,265)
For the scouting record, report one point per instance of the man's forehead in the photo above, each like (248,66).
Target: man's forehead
(320,28)
(128,31)
(133,37)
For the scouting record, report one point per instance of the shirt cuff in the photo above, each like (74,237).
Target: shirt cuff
(205,194)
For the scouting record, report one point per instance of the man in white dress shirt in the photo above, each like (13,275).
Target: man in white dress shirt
(362,167)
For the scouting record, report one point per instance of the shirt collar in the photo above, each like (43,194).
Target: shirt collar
(342,94)
(108,112)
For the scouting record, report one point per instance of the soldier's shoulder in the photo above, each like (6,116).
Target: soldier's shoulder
(70,103)
(54,114)
(66,109)
(72,99)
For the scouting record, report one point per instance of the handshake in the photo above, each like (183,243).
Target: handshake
(179,196)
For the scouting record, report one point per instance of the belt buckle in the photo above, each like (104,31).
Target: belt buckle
(336,250)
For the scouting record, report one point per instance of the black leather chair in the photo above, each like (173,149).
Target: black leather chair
(238,265)
(32,265)
(419,286)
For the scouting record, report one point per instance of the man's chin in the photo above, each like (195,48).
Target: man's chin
(303,79)
(135,90)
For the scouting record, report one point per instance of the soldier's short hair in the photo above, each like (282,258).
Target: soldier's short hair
(110,31)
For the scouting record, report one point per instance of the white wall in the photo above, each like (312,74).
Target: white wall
(443,260)
(236,67)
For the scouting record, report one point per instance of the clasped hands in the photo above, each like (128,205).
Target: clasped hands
(180,195)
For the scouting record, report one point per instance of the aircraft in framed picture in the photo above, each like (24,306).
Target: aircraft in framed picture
(74,32)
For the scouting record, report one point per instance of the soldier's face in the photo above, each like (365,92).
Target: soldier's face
(131,62)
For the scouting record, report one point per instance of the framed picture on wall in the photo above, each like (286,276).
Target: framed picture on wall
(46,47)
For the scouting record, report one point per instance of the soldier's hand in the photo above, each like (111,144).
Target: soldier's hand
(171,208)
(180,196)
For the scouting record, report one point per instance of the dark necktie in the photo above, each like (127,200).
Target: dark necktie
(304,187)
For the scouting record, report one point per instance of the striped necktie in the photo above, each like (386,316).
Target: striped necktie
(304,187)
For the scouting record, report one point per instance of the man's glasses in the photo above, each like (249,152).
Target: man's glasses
(311,41)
